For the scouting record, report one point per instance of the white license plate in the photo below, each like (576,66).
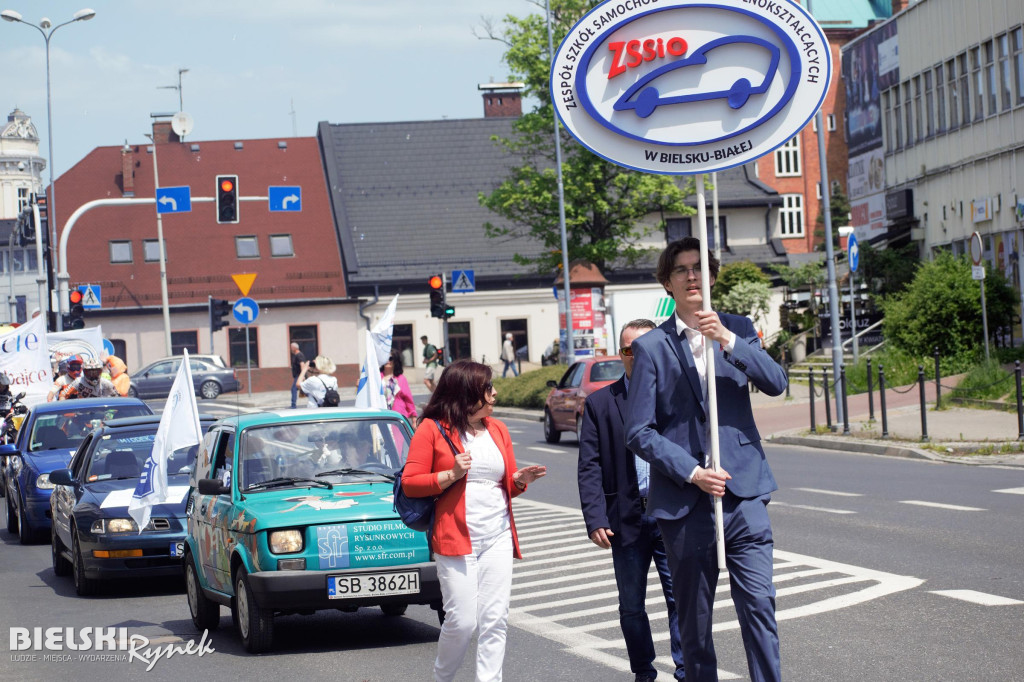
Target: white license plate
(177,549)
(372,584)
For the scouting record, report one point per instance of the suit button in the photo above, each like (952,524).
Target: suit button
(702,418)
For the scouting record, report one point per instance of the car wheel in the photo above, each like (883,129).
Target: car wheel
(132,392)
(12,520)
(25,534)
(255,624)
(83,586)
(205,612)
(209,389)
(551,434)
(61,566)
(394,609)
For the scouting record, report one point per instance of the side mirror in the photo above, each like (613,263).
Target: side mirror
(8,449)
(61,477)
(552,383)
(213,486)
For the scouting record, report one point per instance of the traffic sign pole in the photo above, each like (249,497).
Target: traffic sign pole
(854,260)
(447,353)
(978,273)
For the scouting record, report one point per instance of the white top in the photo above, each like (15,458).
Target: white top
(315,389)
(486,506)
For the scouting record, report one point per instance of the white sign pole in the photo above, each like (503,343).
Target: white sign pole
(709,364)
(978,273)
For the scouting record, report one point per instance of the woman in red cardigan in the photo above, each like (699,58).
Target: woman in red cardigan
(474,535)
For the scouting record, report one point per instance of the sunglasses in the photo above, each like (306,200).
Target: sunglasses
(626,351)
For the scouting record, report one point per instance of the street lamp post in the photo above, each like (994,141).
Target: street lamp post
(163,255)
(51,203)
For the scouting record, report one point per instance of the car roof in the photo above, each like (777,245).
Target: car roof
(288,416)
(79,404)
(150,419)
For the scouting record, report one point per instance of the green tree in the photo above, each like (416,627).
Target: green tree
(887,271)
(748,298)
(810,276)
(733,274)
(839,207)
(605,204)
(942,307)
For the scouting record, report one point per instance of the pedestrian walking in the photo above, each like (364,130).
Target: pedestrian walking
(463,457)
(297,359)
(614,485)
(397,393)
(508,355)
(666,424)
(430,358)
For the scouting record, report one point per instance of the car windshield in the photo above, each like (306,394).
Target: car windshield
(330,449)
(123,455)
(67,429)
(606,371)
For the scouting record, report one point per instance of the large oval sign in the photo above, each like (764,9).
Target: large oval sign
(690,86)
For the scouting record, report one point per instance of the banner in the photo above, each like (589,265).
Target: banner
(25,358)
(179,428)
(85,342)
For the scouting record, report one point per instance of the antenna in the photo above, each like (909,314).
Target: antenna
(181,105)
(295,127)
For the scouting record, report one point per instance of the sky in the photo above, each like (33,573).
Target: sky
(251,63)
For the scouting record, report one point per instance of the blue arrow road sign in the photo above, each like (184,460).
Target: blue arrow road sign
(174,199)
(284,198)
(92,296)
(245,310)
(854,250)
(463,281)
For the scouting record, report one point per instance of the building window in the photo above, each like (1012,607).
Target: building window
(978,78)
(182,341)
(402,341)
(458,340)
(954,95)
(120,252)
(306,336)
(897,118)
(990,79)
(908,110)
(887,128)
(787,158)
(929,104)
(281,246)
(151,250)
(1005,79)
(918,109)
(677,228)
(940,99)
(965,89)
(791,215)
(22,199)
(247,247)
(817,190)
(1017,44)
(830,123)
(236,346)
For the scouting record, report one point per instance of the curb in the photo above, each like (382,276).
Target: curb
(845,445)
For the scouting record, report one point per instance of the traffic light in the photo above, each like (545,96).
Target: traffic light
(219,309)
(76,311)
(227,198)
(437,302)
(449,311)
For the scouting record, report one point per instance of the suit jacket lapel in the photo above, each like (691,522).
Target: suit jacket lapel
(618,391)
(682,351)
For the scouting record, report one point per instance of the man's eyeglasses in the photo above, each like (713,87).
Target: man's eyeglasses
(626,351)
(682,271)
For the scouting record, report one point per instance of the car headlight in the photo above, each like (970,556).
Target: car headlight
(285,541)
(100,526)
(43,482)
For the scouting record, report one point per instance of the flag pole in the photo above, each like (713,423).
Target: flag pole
(709,364)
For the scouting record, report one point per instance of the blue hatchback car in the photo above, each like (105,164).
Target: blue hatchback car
(48,437)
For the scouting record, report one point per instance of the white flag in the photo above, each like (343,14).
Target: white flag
(179,428)
(383,330)
(370,392)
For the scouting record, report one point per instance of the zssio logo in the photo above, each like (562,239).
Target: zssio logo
(678,86)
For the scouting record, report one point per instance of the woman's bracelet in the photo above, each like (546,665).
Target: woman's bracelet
(518,483)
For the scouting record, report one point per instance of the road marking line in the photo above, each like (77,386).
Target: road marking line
(829,492)
(940,505)
(776,503)
(978,597)
(551,450)
(1011,491)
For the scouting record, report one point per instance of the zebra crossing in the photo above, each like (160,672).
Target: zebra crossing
(564,589)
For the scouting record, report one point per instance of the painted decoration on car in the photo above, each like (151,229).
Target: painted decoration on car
(690,86)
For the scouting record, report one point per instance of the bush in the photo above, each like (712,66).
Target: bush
(529,389)
(987,381)
(901,369)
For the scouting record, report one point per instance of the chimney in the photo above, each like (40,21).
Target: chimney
(502,99)
(899,5)
(127,171)
(162,133)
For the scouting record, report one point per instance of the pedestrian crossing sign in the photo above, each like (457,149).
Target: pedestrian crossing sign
(92,296)
(463,281)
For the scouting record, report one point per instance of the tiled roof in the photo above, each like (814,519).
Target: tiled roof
(405,198)
(738,188)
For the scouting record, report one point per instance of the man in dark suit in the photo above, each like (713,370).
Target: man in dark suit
(613,487)
(666,424)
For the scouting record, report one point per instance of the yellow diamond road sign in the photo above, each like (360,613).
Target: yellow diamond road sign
(244,282)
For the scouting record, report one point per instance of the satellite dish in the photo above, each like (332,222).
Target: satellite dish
(182,124)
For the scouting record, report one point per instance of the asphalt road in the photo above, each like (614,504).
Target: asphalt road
(886,569)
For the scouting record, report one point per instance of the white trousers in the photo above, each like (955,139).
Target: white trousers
(476,589)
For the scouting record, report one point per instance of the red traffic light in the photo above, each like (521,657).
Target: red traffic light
(226,185)
(75,296)
(436,282)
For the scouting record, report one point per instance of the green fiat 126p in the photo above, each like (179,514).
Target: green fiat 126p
(292,511)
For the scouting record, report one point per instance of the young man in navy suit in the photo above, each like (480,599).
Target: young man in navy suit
(666,425)
(613,485)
